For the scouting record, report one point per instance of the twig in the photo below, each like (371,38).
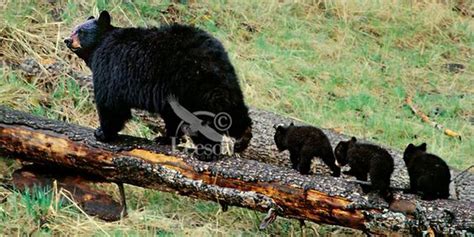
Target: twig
(425,118)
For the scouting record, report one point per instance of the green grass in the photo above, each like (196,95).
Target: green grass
(346,65)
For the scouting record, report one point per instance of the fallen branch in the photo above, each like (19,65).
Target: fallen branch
(93,201)
(231,181)
(427,120)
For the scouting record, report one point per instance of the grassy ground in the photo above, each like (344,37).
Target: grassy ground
(346,65)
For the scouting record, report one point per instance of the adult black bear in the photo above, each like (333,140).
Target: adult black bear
(364,160)
(429,174)
(305,143)
(142,68)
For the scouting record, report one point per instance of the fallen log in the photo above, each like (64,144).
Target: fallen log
(93,201)
(262,147)
(231,181)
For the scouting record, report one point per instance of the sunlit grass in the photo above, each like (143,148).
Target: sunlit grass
(335,64)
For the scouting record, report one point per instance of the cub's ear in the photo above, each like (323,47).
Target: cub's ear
(422,146)
(292,124)
(91,17)
(104,18)
(410,147)
(278,126)
(353,139)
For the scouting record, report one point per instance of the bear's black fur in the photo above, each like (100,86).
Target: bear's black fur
(364,160)
(141,68)
(429,174)
(304,143)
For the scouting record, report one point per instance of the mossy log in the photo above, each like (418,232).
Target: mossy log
(244,182)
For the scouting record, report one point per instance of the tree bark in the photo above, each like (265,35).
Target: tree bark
(262,147)
(259,185)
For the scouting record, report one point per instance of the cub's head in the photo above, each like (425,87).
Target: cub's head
(411,150)
(281,138)
(341,151)
(86,36)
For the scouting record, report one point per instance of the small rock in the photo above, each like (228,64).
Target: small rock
(454,67)
(30,66)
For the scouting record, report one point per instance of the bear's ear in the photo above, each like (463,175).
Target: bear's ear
(91,17)
(410,147)
(292,124)
(279,127)
(353,140)
(104,18)
(422,146)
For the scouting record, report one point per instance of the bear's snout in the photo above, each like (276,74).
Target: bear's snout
(68,42)
(73,42)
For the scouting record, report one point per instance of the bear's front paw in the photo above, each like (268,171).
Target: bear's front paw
(163,140)
(336,173)
(100,135)
(366,188)
(348,172)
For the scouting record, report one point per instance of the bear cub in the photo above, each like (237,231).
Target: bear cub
(143,68)
(429,174)
(304,143)
(364,160)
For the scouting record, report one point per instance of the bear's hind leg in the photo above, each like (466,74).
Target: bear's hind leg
(171,126)
(413,189)
(306,156)
(444,193)
(363,177)
(111,122)
(294,158)
(381,182)
(330,161)
(429,187)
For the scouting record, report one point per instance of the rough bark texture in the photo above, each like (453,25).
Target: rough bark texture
(258,180)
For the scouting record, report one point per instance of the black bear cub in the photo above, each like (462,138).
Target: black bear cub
(304,143)
(429,174)
(364,160)
(143,68)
